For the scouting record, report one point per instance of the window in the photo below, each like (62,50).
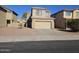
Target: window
(8,21)
(77,13)
(43,13)
(47,13)
(68,13)
(38,12)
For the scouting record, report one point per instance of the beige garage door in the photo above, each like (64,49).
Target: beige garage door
(43,25)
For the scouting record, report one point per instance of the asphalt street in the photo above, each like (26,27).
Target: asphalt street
(70,46)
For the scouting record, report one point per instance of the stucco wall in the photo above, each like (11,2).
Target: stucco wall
(59,20)
(14,17)
(2,19)
(75,15)
(10,16)
(43,17)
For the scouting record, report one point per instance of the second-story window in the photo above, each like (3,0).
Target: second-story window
(77,13)
(38,12)
(47,13)
(68,13)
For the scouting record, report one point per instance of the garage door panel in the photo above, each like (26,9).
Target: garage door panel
(43,25)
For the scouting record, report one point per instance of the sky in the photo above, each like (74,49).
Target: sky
(21,9)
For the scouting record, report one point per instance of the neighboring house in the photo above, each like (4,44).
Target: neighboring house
(7,17)
(40,19)
(62,16)
(22,22)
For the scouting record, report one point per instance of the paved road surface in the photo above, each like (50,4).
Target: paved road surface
(41,47)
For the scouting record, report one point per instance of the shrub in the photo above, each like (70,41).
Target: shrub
(73,24)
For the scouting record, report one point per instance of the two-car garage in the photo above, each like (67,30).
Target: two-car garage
(43,25)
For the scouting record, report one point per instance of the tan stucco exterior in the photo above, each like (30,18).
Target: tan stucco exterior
(42,21)
(2,19)
(10,16)
(75,14)
(6,15)
(61,18)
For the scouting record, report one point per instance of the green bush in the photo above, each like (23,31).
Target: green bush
(73,24)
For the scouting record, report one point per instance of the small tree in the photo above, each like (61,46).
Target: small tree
(24,16)
(73,24)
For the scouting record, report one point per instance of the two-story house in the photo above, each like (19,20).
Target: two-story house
(62,16)
(7,16)
(40,19)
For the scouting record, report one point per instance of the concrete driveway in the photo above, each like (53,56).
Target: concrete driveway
(26,34)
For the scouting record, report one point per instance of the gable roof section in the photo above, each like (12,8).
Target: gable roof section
(61,11)
(1,8)
(8,9)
